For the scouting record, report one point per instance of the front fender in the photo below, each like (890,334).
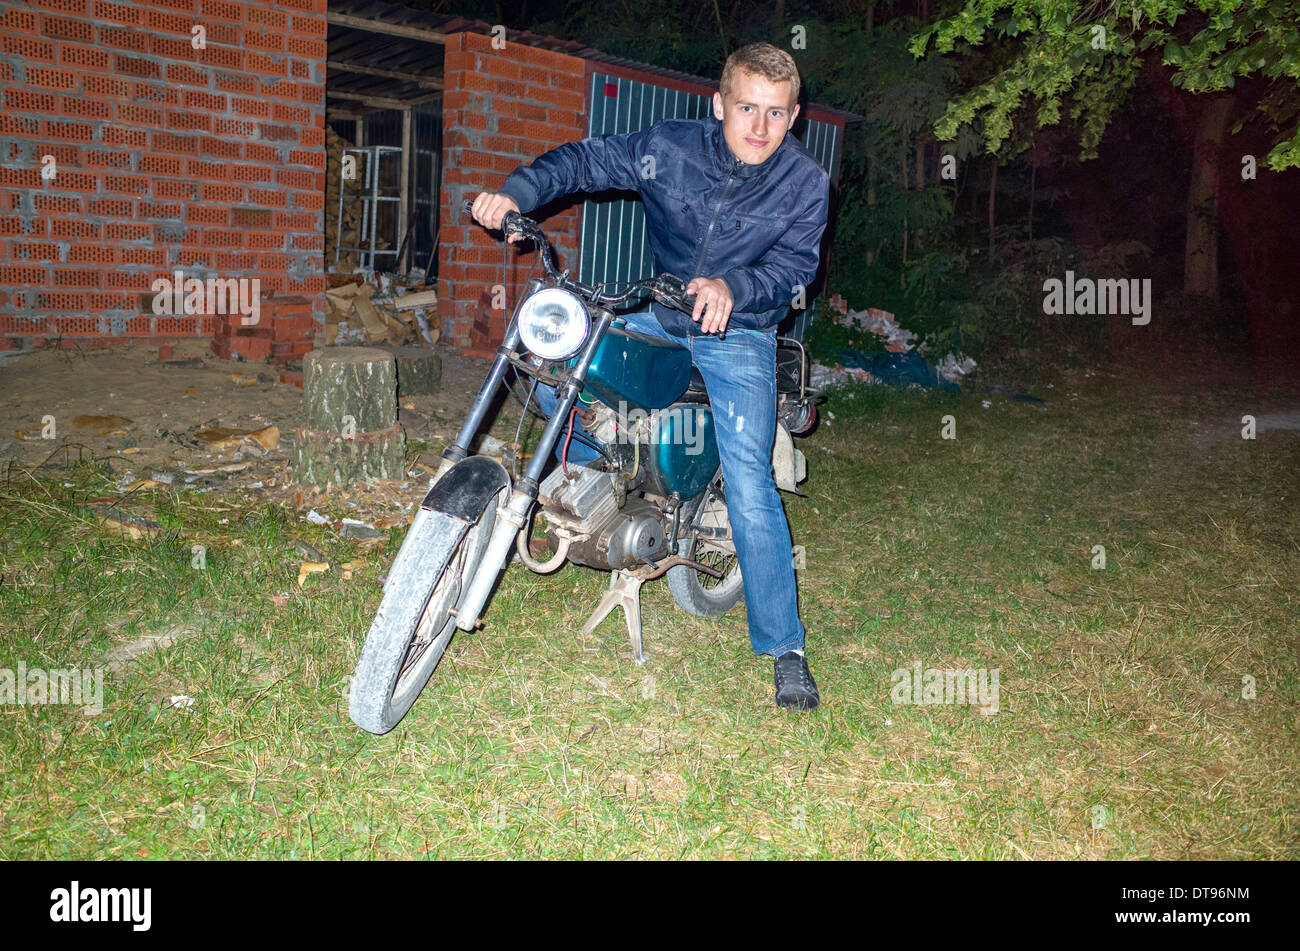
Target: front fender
(466,488)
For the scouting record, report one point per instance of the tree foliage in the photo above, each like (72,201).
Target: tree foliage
(1078,59)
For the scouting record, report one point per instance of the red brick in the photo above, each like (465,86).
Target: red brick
(23,100)
(223,57)
(187,121)
(155,92)
(74,228)
(99,158)
(28,47)
(222,192)
(133,138)
(220,148)
(19,125)
(248,106)
(92,254)
(86,108)
(138,115)
(183,190)
(149,257)
(120,13)
(222,10)
(111,207)
(126,231)
(35,251)
(187,74)
(124,39)
(236,82)
(171,142)
(18,21)
(162,165)
(172,47)
(306,47)
(85,57)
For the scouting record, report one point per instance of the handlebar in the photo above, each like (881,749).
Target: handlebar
(666,288)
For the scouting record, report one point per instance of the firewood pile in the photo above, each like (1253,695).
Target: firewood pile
(352,187)
(364,314)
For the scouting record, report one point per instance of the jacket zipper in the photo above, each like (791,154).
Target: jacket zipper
(708,235)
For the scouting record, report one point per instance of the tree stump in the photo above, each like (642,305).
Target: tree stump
(351,434)
(419,371)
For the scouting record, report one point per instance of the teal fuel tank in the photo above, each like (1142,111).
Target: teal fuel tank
(683,449)
(643,372)
(645,375)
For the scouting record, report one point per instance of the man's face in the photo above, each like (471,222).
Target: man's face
(755,116)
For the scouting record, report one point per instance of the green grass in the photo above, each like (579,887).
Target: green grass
(1121,731)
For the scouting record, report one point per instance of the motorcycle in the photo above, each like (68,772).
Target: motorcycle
(652,503)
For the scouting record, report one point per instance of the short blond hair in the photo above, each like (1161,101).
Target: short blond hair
(773,64)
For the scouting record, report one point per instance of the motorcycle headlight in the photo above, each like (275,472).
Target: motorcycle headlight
(553,323)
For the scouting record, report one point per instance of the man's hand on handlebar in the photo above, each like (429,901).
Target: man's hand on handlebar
(490,208)
(712,303)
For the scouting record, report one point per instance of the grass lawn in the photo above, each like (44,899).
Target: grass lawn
(1121,729)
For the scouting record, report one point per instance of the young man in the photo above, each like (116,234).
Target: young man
(737,206)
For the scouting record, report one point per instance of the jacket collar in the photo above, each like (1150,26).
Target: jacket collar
(726,162)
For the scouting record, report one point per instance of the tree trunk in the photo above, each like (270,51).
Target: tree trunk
(419,371)
(993,194)
(351,434)
(1033,185)
(903,163)
(1201,253)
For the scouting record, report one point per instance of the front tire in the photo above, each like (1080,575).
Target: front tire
(416,620)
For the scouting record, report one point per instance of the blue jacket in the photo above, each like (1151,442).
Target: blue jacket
(757,227)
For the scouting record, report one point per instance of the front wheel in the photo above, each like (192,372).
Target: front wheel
(416,618)
(696,592)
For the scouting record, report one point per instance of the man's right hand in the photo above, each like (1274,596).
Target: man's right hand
(490,209)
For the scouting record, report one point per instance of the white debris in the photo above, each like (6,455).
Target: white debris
(316,518)
(883,324)
(181,702)
(952,368)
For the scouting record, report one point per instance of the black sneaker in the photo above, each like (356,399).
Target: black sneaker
(795,686)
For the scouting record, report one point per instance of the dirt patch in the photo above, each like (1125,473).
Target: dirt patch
(58,406)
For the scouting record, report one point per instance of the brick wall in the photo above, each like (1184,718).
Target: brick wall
(501,109)
(166,157)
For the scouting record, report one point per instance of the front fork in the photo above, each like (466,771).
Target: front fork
(513,515)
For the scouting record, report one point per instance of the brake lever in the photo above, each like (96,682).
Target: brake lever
(671,290)
(512,223)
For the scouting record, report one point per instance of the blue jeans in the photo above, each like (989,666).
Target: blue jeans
(740,373)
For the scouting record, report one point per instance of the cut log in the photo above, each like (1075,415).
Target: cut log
(415,299)
(419,371)
(327,459)
(355,382)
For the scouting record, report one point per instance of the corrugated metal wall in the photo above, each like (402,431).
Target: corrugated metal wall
(614,246)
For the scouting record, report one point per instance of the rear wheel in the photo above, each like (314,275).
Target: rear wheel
(416,618)
(699,593)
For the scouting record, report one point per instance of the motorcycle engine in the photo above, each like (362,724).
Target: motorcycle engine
(602,534)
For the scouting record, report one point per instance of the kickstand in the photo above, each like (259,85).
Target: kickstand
(624,592)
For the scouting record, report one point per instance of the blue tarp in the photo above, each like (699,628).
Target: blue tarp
(899,369)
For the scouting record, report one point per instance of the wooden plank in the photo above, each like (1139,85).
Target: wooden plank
(390,29)
(418,299)
(428,82)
